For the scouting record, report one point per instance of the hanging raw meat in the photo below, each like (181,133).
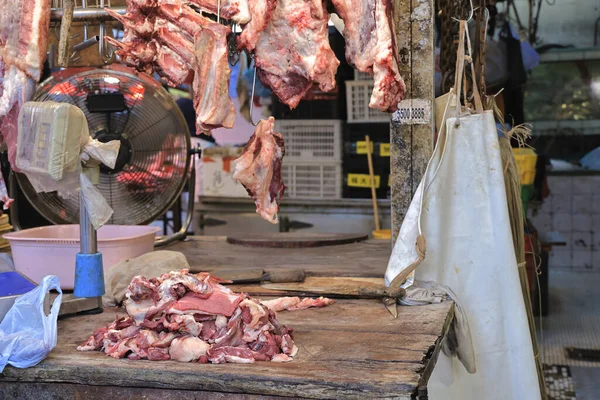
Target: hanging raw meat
(234,10)
(258,169)
(212,103)
(171,39)
(24,26)
(371,47)
(389,86)
(193,318)
(290,40)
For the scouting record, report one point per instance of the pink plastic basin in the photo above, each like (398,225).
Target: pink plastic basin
(51,250)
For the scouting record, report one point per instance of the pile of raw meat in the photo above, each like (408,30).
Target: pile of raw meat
(193,318)
(24,26)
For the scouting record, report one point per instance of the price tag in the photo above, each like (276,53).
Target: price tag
(384,150)
(361,147)
(362,180)
(413,112)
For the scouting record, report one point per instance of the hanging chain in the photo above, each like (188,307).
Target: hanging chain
(449,38)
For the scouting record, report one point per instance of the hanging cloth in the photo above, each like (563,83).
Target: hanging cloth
(457,233)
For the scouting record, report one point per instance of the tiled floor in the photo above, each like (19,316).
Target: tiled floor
(573,321)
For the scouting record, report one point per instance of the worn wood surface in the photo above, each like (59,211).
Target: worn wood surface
(340,287)
(363,259)
(290,240)
(352,349)
(412,145)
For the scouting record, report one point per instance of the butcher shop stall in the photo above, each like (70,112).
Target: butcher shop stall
(256,199)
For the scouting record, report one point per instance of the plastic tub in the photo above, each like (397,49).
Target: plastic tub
(51,250)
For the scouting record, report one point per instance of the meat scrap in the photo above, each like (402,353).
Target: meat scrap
(192,318)
(258,169)
(295,303)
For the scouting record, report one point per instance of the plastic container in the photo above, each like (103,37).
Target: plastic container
(312,180)
(51,250)
(311,140)
(362,76)
(358,95)
(526,163)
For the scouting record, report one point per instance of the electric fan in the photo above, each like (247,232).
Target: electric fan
(155,153)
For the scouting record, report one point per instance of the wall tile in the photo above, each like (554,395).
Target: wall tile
(560,184)
(562,203)
(543,222)
(582,223)
(596,222)
(582,203)
(596,259)
(547,205)
(560,258)
(584,184)
(562,222)
(582,259)
(582,240)
(596,202)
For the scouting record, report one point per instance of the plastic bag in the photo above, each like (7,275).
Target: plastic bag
(27,334)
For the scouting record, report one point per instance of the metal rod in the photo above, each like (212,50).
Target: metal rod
(87,234)
(85,27)
(86,14)
(182,233)
(86,43)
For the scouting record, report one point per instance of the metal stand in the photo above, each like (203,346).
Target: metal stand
(89,274)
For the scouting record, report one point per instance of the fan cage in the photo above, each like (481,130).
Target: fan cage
(158,136)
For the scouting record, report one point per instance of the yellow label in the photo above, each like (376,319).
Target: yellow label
(384,149)
(361,147)
(362,180)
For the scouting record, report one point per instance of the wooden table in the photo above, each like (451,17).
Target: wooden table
(352,349)
(365,259)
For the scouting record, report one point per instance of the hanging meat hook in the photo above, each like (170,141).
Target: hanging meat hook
(252,96)
(471,12)
(233,54)
(105,55)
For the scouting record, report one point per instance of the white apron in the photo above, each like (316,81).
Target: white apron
(460,216)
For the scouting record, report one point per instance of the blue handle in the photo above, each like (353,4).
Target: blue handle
(89,275)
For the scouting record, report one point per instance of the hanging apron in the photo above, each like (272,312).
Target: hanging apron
(457,233)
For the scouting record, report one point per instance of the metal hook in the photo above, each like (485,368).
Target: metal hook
(233,54)
(470,13)
(252,97)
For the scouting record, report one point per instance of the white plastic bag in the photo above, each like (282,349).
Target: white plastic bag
(27,334)
(457,233)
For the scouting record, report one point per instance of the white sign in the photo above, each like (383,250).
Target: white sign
(413,112)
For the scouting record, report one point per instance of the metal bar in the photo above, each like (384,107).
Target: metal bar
(182,233)
(86,14)
(87,43)
(87,234)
